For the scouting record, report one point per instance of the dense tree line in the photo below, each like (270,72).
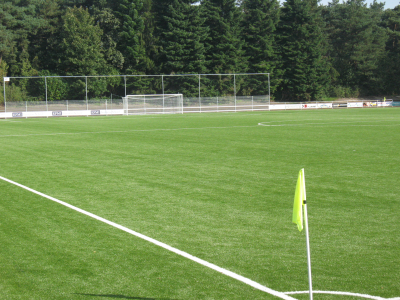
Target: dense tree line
(312,51)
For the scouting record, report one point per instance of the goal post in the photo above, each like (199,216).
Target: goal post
(153,104)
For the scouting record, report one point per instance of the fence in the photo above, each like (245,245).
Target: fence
(68,108)
(53,88)
(49,93)
(333,104)
(226,104)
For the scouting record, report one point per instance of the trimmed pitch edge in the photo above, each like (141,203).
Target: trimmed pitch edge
(158,243)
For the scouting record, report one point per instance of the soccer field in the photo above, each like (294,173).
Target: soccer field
(217,186)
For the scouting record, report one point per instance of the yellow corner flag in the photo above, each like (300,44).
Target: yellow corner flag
(299,199)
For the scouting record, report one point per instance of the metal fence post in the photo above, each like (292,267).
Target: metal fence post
(87,103)
(234,88)
(163,96)
(45,83)
(4,88)
(199,87)
(269,94)
(125,84)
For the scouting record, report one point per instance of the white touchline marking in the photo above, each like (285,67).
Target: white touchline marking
(119,131)
(165,246)
(349,124)
(342,293)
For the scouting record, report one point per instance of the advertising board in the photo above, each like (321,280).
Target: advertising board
(324,105)
(355,104)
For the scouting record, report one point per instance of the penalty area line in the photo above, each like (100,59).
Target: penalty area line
(158,243)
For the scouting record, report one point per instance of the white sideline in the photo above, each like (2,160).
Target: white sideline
(165,246)
(266,124)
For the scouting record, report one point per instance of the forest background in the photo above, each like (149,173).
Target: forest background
(312,51)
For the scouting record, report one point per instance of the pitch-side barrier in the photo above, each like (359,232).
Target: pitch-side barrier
(29,109)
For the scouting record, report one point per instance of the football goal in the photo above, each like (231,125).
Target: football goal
(153,104)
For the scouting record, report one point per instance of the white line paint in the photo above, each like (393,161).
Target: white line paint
(165,246)
(266,124)
(343,294)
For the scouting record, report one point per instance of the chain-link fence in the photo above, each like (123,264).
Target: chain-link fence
(54,88)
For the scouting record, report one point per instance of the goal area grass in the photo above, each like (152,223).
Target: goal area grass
(219,186)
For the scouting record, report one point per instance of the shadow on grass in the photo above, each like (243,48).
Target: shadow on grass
(123,297)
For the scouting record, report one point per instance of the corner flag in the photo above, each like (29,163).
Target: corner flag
(299,205)
(299,200)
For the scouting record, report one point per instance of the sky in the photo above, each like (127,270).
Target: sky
(388,3)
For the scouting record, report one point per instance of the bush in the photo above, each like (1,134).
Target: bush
(345,92)
(15,93)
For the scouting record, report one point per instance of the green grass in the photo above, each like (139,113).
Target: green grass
(217,186)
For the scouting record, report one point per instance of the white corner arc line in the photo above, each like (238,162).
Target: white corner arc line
(342,293)
(158,243)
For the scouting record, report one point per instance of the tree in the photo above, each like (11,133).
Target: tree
(159,9)
(261,18)
(390,63)
(303,50)
(224,44)
(81,52)
(130,42)
(110,26)
(357,43)
(183,46)
(149,39)
(41,50)
(6,39)
(18,21)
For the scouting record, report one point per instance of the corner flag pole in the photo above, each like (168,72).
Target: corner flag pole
(308,250)
(299,203)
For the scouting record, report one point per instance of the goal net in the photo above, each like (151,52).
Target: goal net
(153,104)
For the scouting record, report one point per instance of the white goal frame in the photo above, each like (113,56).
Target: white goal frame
(153,104)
